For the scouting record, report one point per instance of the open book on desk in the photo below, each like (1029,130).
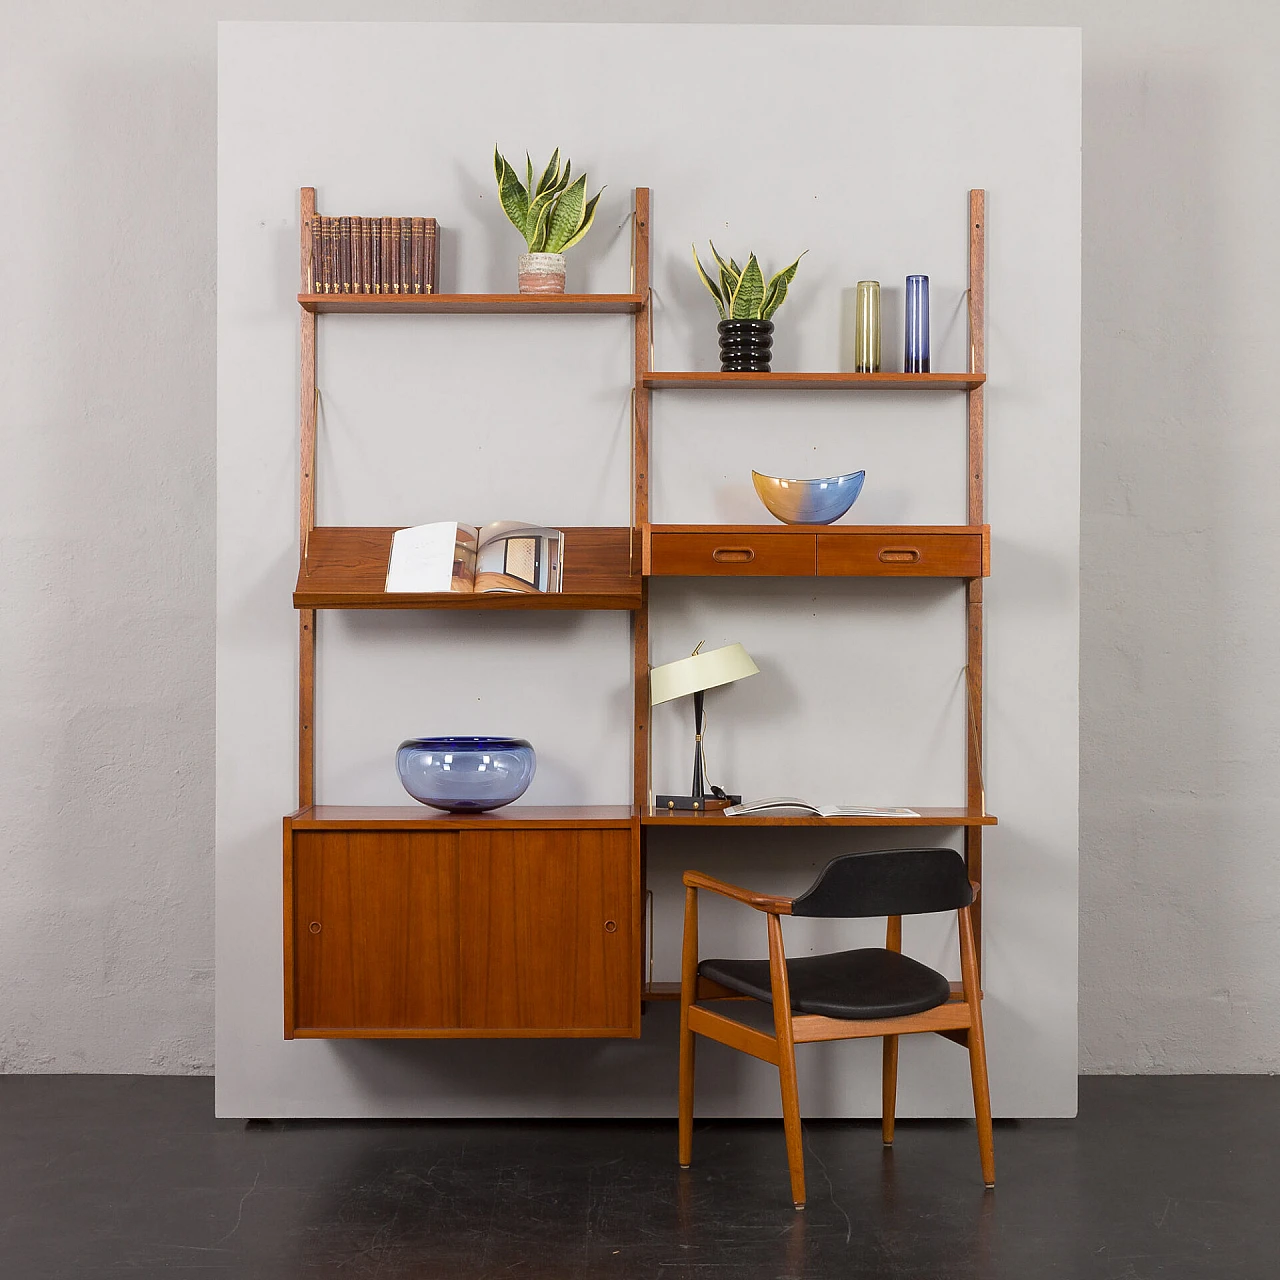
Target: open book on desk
(447,556)
(781,806)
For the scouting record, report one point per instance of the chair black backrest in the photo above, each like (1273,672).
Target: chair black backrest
(889,882)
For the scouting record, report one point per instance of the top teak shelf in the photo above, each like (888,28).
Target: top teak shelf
(471,303)
(816,381)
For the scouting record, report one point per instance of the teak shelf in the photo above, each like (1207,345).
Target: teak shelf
(346,568)
(515,817)
(929,817)
(815,381)
(506,304)
(403,922)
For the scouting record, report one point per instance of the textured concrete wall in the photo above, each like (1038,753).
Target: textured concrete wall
(106,395)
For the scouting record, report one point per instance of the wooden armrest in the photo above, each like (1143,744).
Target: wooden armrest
(761,901)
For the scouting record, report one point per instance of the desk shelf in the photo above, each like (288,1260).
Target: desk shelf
(714,819)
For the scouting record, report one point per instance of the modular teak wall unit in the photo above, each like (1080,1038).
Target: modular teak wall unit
(528,921)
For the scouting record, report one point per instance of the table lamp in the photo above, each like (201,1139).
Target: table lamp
(694,675)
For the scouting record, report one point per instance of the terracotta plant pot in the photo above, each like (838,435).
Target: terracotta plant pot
(542,273)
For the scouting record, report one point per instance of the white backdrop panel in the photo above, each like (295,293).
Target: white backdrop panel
(481,418)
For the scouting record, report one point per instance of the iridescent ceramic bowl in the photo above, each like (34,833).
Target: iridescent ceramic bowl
(466,775)
(809,501)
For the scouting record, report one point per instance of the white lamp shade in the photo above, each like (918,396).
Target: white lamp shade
(702,671)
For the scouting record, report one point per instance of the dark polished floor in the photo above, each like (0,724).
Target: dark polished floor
(130,1176)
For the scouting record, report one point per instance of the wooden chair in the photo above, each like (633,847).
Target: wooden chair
(869,992)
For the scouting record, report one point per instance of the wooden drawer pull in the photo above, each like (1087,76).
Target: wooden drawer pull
(611,926)
(314,926)
(899,555)
(733,555)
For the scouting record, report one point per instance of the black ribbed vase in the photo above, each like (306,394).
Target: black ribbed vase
(746,346)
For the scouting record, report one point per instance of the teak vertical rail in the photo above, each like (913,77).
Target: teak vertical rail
(974,727)
(640,403)
(307,517)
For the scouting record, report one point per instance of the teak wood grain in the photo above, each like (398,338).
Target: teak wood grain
(959,553)
(464,932)
(346,568)
(865,551)
(733,552)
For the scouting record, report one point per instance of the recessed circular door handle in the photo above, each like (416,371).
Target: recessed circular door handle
(733,555)
(611,926)
(899,555)
(314,926)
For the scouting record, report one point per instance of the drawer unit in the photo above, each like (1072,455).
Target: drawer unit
(732,551)
(914,553)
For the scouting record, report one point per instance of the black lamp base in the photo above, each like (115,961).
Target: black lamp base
(694,803)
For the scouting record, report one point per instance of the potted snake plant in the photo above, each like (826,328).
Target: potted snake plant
(552,214)
(746,304)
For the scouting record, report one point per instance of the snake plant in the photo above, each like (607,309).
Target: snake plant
(553,215)
(742,293)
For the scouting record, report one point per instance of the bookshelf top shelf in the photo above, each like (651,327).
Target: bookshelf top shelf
(471,303)
(815,381)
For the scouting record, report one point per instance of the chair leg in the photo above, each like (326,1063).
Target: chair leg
(977,1049)
(890,1100)
(786,1061)
(791,1120)
(688,1046)
(982,1103)
(688,1049)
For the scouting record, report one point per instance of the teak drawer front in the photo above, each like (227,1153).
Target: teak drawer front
(922,555)
(729,554)
(463,933)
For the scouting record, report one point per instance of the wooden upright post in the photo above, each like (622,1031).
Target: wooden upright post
(639,521)
(974,724)
(307,516)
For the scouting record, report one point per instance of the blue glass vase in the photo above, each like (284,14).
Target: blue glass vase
(915,358)
(466,775)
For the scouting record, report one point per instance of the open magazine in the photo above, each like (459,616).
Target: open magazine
(779,806)
(447,556)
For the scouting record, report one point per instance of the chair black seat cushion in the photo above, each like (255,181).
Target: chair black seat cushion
(868,983)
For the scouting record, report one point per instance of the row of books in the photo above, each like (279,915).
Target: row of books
(373,255)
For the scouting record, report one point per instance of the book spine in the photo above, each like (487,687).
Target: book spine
(395,255)
(431,265)
(406,254)
(419,235)
(366,255)
(375,255)
(344,255)
(357,261)
(313,280)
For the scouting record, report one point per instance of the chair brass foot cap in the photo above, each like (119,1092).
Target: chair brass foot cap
(990,1186)
(889,1145)
(799,1204)
(684,1166)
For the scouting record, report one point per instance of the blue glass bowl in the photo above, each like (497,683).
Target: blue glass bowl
(809,501)
(466,775)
